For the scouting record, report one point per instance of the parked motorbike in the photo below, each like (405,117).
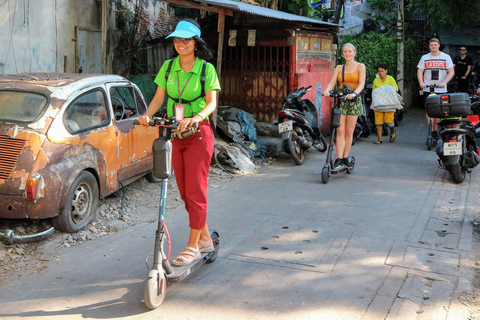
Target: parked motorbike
(458,128)
(298,123)
(362,127)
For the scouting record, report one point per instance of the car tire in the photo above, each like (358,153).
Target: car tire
(81,205)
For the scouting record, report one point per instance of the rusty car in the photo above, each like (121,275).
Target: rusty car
(66,141)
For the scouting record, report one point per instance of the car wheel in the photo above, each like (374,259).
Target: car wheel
(81,205)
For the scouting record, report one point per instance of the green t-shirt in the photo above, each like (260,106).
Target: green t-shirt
(388,82)
(177,78)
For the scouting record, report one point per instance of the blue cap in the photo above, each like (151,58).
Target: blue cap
(185,29)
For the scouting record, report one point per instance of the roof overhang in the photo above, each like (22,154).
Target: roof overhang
(236,6)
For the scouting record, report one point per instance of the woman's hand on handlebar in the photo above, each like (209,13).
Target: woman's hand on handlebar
(350,96)
(144,121)
(189,122)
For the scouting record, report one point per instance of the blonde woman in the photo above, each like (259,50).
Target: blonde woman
(351,106)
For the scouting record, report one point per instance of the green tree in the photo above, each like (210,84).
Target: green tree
(446,13)
(440,13)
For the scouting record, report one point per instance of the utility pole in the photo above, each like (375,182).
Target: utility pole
(400,47)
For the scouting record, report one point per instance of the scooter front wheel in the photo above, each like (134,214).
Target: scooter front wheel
(326,174)
(155,290)
(429,143)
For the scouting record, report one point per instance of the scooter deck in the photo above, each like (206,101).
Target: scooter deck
(180,272)
(335,171)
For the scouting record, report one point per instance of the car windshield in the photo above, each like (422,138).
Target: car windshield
(21,106)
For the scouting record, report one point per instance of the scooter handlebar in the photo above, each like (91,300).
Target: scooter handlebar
(170,122)
(339,95)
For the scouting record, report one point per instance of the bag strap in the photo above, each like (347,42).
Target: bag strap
(202,82)
(343,76)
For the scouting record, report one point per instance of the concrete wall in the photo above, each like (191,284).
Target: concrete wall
(37,35)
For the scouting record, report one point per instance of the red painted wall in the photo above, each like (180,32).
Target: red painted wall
(312,78)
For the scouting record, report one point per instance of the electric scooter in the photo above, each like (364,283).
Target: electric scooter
(327,169)
(162,273)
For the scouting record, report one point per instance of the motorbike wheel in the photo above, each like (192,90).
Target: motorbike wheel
(365,127)
(458,173)
(321,145)
(326,174)
(296,150)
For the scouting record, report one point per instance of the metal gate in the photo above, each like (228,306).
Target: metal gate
(255,79)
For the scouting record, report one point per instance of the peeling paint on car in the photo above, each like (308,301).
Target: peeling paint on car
(114,150)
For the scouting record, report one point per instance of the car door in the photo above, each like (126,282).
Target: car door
(134,143)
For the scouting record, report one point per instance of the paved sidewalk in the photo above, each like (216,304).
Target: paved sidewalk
(392,240)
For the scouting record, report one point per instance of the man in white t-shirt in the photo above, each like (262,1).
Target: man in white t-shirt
(434,68)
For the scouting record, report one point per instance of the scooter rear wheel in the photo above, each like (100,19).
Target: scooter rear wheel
(216,245)
(155,291)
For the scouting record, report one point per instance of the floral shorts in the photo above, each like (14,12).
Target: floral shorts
(351,107)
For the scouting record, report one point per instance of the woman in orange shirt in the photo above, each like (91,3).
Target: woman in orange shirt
(351,106)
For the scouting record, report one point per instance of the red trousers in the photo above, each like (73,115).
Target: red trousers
(191,159)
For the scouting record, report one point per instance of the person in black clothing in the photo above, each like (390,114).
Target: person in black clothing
(463,67)
(476,73)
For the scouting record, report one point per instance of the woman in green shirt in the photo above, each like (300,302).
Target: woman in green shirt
(191,101)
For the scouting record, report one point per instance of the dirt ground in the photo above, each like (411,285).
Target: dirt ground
(116,212)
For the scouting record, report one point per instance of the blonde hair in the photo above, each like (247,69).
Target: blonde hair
(349,45)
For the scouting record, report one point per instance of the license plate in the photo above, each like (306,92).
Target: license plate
(452,148)
(285,126)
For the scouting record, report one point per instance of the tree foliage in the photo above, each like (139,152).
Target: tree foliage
(374,48)
(446,13)
(440,13)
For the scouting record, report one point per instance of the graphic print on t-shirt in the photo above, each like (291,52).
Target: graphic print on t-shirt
(435,66)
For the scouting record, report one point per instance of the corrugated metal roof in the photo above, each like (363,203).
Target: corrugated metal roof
(265,12)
